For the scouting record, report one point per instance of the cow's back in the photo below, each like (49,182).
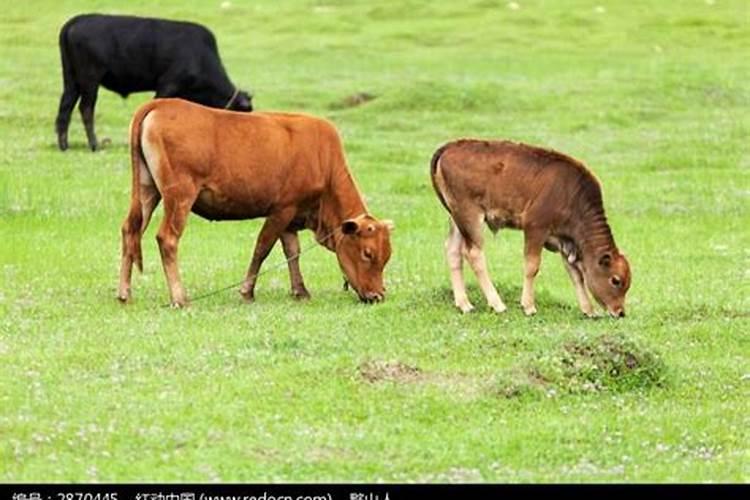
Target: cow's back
(130,53)
(504,178)
(251,162)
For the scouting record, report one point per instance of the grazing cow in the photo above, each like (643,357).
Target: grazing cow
(129,54)
(222,165)
(551,197)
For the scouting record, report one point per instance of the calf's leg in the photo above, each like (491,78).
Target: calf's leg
(290,242)
(533,244)
(272,229)
(67,103)
(581,294)
(475,255)
(454,256)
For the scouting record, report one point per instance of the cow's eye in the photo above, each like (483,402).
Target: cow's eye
(367,254)
(616,281)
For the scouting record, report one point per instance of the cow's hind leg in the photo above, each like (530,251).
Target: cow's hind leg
(177,207)
(475,255)
(454,255)
(86,106)
(533,244)
(271,231)
(68,101)
(133,227)
(290,242)
(578,282)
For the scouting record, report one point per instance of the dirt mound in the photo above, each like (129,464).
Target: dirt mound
(588,364)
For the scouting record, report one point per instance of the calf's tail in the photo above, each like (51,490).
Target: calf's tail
(434,173)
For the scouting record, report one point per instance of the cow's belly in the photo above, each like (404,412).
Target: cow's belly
(215,206)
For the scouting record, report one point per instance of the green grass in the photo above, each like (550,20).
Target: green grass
(653,96)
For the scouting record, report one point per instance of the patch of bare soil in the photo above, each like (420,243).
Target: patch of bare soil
(389,371)
(354,100)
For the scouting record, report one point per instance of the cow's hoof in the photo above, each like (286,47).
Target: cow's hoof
(247,296)
(301,294)
(499,308)
(465,307)
(178,304)
(123,298)
(529,310)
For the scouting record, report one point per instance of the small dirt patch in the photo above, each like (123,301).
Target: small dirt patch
(389,371)
(354,100)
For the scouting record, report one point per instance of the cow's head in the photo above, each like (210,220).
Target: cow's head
(242,102)
(608,278)
(363,251)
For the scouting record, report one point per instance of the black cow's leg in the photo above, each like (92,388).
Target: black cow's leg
(67,103)
(290,242)
(271,231)
(88,102)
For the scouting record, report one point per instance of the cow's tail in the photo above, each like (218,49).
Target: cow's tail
(437,177)
(133,226)
(67,68)
(70,87)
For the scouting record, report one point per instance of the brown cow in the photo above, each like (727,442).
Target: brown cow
(553,198)
(224,165)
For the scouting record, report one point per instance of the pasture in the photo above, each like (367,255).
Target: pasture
(653,96)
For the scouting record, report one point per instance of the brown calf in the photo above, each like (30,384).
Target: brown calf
(551,197)
(224,165)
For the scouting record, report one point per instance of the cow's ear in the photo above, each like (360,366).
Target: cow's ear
(349,226)
(389,224)
(605,260)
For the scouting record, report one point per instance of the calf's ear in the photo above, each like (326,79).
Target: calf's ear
(389,224)
(349,226)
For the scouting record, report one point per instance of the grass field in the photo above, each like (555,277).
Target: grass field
(653,96)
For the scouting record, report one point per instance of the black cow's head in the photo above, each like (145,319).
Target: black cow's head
(241,102)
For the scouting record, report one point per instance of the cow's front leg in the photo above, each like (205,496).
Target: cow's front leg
(581,294)
(533,244)
(290,242)
(86,106)
(271,231)
(176,210)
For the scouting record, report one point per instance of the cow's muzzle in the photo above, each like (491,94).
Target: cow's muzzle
(372,297)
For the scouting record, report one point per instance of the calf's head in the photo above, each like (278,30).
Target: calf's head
(608,278)
(363,251)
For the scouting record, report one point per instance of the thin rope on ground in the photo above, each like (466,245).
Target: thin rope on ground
(261,273)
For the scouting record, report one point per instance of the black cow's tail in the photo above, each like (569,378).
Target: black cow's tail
(67,67)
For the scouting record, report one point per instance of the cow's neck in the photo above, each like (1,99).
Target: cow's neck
(341,201)
(590,230)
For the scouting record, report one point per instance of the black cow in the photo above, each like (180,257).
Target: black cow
(129,54)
